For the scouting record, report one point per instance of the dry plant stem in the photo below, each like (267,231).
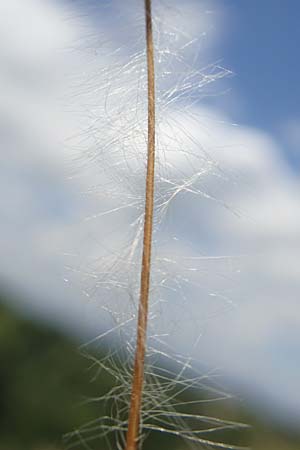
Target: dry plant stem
(138,373)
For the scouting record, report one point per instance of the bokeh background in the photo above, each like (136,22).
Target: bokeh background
(250,124)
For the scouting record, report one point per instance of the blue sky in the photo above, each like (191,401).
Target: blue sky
(262,49)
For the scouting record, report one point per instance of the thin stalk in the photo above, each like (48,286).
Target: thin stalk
(139,363)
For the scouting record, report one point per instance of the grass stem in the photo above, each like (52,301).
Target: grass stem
(139,363)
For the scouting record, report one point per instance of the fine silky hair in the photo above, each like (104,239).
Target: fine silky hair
(140,91)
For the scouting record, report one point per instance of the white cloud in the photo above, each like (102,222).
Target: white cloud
(238,170)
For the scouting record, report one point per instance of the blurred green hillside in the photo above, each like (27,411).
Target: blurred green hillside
(43,380)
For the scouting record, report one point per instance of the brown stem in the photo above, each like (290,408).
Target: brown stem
(138,372)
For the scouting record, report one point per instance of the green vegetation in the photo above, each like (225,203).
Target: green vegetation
(44,381)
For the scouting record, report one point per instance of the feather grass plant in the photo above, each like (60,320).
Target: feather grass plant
(146,301)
